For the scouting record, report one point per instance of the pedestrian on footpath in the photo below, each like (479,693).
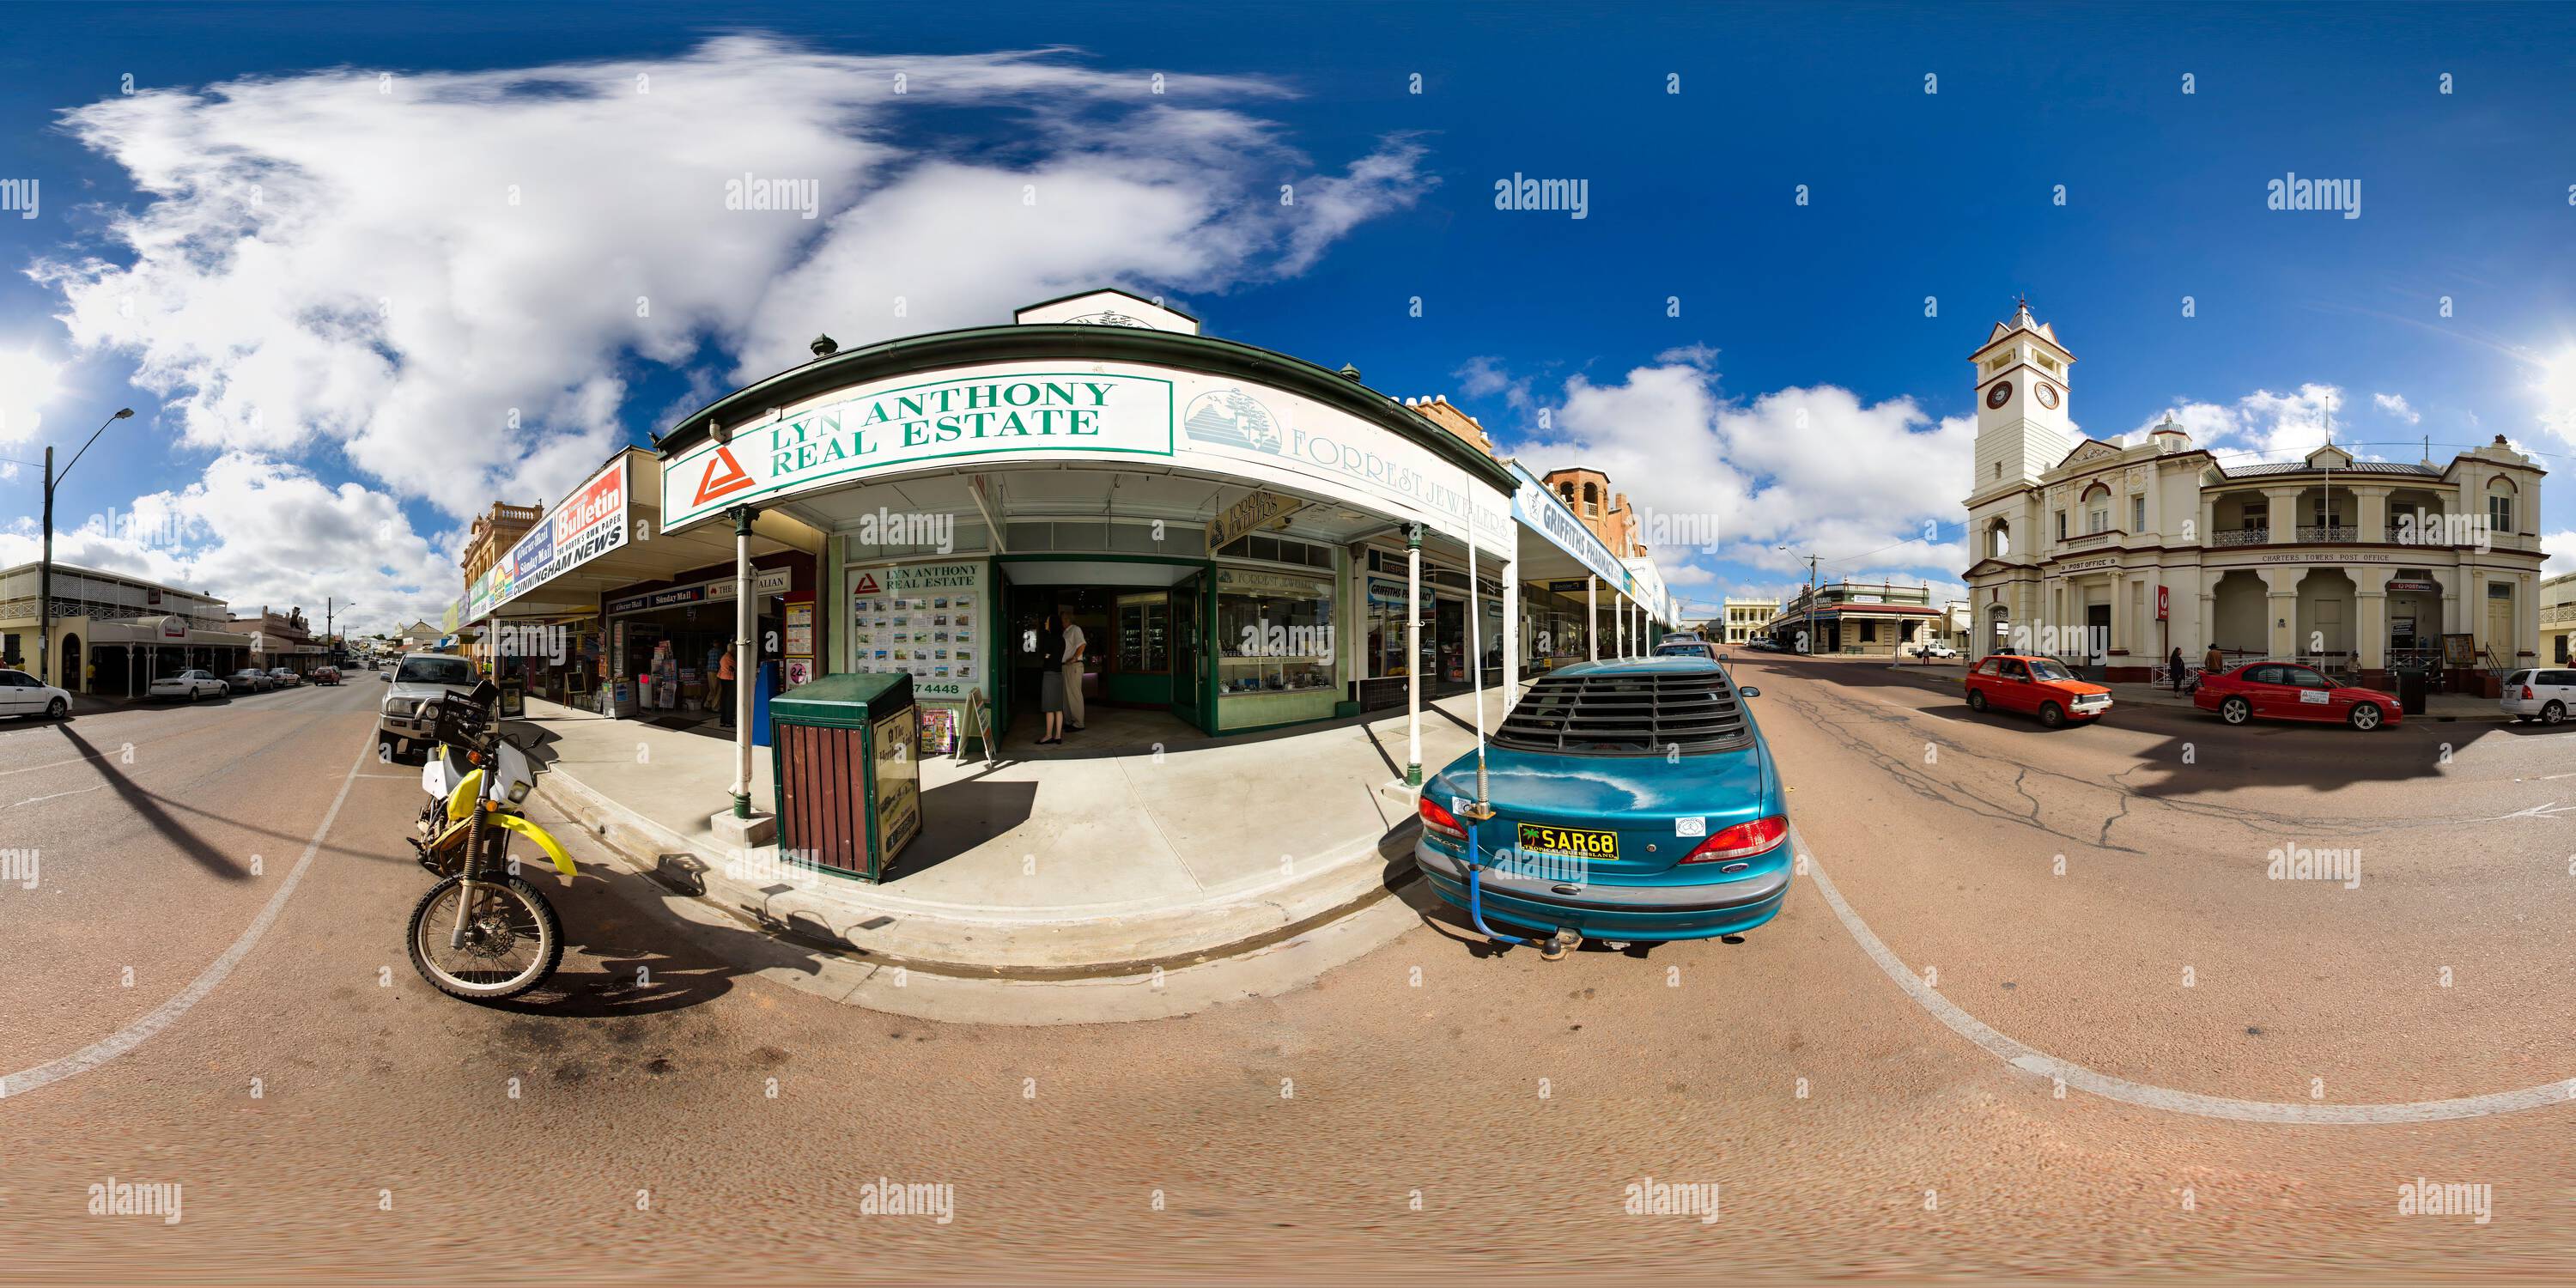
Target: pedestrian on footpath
(724,686)
(2173,667)
(2213,662)
(1074,645)
(1051,671)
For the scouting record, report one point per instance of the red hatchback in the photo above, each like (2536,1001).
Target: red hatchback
(2288,691)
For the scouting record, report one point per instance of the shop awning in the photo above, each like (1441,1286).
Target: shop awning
(608,561)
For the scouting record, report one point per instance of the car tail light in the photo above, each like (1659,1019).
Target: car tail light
(2526,693)
(1440,820)
(1741,840)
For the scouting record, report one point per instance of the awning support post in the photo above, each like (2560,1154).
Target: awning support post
(745,624)
(1413,655)
(1591,618)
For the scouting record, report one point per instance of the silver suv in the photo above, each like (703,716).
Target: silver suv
(409,712)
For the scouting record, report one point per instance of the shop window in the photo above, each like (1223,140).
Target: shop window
(1275,632)
(1869,632)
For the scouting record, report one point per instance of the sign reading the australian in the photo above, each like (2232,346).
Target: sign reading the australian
(911,423)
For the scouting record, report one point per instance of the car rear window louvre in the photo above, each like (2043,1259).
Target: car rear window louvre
(1636,713)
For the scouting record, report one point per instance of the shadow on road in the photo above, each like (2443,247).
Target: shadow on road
(147,807)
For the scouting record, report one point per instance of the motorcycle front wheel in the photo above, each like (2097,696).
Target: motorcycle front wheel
(513,940)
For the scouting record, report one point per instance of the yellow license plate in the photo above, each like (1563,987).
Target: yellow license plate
(1569,840)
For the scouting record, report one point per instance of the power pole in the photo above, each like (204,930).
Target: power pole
(45,584)
(1811,605)
(45,570)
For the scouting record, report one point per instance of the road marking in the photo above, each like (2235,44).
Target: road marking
(56,796)
(2030,1060)
(142,1030)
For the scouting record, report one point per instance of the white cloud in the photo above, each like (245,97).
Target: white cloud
(2261,426)
(2560,546)
(333,267)
(28,382)
(395,266)
(255,532)
(1816,469)
(2395,405)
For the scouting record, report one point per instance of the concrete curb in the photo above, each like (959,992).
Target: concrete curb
(1107,943)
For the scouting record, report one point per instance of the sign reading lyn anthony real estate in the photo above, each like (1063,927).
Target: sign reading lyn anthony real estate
(910,423)
(971,416)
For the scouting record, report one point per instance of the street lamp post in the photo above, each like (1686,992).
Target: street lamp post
(45,565)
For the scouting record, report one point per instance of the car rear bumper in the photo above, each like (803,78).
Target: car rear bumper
(1640,912)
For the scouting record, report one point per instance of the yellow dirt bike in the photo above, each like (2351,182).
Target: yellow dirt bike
(483,932)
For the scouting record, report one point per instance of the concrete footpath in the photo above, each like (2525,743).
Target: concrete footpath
(1095,863)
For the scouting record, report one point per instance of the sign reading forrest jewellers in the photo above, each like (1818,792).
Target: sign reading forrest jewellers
(970,416)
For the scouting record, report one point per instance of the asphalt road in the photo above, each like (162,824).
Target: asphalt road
(1431,1108)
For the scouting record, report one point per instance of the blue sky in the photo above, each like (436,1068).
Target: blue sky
(290,249)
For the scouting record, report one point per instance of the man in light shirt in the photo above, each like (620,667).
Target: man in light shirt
(1073,650)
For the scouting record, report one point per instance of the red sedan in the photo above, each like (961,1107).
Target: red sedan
(2288,691)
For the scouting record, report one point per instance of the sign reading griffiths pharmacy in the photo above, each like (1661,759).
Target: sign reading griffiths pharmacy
(905,426)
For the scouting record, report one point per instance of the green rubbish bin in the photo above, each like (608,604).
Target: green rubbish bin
(843,755)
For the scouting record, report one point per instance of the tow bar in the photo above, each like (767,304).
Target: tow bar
(1551,949)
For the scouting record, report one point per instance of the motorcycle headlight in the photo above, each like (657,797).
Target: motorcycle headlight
(518,792)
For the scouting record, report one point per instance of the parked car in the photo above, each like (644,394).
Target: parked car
(22,694)
(284,677)
(1933,650)
(325,675)
(1684,646)
(249,679)
(2034,686)
(192,685)
(1632,800)
(2544,695)
(409,713)
(2288,691)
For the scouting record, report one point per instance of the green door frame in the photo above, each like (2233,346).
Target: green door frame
(1206,569)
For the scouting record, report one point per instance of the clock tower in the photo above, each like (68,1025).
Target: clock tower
(2023,429)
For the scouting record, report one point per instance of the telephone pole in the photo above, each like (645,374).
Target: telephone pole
(1808,644)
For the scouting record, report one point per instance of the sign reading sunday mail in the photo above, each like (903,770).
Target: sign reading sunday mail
(589,523)
(969,415)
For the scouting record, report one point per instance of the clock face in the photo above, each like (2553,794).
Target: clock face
(2000,394)
(2047,394)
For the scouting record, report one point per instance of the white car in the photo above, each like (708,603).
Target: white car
(192,685)
(1935,650)
(409,715)
(22,694)
(2543,695)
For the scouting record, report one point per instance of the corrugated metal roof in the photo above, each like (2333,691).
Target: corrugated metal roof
(2357,467)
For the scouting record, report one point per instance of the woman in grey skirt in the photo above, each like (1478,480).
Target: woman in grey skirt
(1051,678)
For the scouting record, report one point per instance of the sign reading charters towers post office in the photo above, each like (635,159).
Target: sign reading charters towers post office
(1109,412)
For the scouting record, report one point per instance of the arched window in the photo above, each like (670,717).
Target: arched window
(1998,539)
(2500,514)
(1591,499)
(2097,509)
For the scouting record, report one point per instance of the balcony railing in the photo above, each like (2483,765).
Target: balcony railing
(2314,533)
(2240,536)
(2088,538)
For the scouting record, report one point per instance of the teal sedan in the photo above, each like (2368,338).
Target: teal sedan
(1630,801)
